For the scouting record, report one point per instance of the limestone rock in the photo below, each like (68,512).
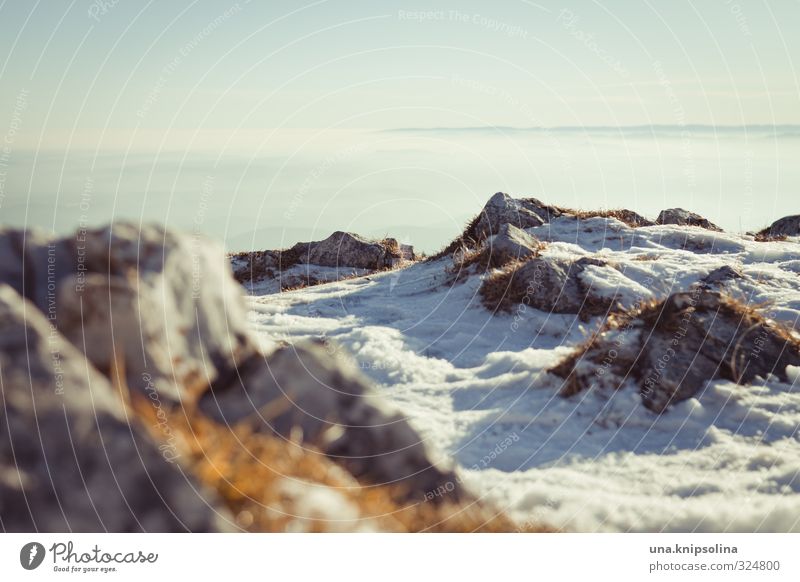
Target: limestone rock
(551,284)
(163,301)
(786,226)
(503,209)
(69,461)
(671,349)
(345,249)
(510,244)
(683,217)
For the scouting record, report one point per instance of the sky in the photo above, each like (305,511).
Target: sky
(116,85)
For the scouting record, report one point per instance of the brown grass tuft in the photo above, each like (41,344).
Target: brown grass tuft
(629,217)
(766,236)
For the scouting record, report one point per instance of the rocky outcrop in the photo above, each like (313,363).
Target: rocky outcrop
(508,245)
(163,302)
(551,284)
(683,217)
(303,392)
(786,226)
(503,209)
(343,251)
(69,461)
(672,348)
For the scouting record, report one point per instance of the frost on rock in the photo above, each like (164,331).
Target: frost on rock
(305,392)
(670,349)
(69,461)
(163,302)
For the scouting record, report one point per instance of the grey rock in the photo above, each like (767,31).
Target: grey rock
(673,348)
(683,217)
(342,250)
(69,462)
(786,226)
(510,244)
(345,249)
(162,301)
(503,209)
(255,266)
(311,393)
(549,284)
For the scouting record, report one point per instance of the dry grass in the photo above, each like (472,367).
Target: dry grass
(629,217)
(249,470)
(766,236)
(501,290)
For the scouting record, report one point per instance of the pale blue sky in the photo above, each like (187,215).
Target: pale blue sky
(285,103)
(373,65)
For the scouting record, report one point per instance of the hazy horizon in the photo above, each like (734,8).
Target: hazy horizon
(263,124)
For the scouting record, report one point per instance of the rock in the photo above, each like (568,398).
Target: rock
(631,218)
(683,217)
(549,284)
(164,302)
(69,462)
(341,250)
(311,393)
(255,266)
(510,244)
(671,349)
(721,275)
(503,209)
(345,249)
(786,226)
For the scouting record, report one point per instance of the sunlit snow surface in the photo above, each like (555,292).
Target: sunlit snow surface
(475,386)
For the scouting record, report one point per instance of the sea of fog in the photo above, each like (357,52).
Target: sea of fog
(418,185)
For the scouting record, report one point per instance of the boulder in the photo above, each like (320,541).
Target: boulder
(503,209)
(69,461)
(631,218)
(683,217)
(786,226)
(311,393)
(164,302)
(345,249)
(341,250)
(255,266)
(672,348)
(551,284)
(510,244)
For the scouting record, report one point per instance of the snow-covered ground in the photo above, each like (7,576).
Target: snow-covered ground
(475,385)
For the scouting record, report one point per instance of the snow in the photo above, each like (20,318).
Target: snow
(475,385)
